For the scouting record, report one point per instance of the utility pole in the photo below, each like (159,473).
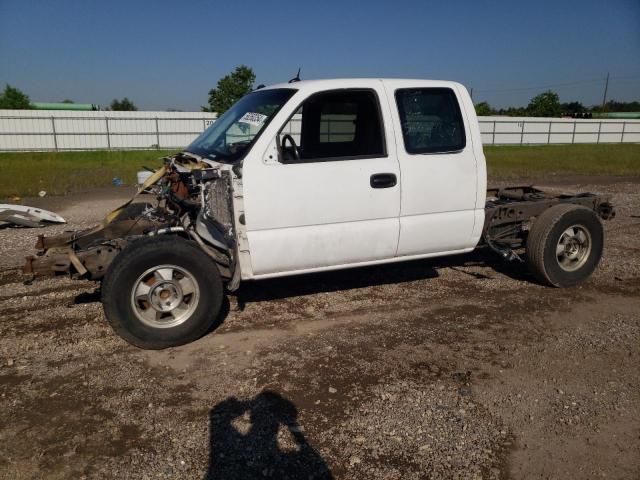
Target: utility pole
(471,93)
(606,87)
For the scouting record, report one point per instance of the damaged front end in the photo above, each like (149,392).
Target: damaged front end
(193,200)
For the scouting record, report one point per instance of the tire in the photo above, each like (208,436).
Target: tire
(565,245)
(161,292)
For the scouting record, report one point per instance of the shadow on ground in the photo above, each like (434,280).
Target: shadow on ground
(347,279)
(409,271)
(260,438)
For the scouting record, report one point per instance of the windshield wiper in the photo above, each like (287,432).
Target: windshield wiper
(217,154)
(187,153)
(238,147)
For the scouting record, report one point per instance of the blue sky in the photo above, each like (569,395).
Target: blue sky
(168,54)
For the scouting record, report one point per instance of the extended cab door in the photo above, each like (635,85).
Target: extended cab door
(442,210)
(326,192)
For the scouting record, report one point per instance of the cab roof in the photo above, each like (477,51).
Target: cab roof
(336,83)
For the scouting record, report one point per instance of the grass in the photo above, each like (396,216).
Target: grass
(506,162)
(59,173)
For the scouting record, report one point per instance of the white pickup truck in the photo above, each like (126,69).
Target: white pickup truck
(311,176)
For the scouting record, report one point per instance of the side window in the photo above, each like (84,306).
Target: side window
(334,125)
(431,120)
(342,116)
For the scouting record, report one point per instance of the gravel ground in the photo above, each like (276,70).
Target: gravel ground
(451,368)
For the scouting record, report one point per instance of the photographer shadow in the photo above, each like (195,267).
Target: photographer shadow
(260,438)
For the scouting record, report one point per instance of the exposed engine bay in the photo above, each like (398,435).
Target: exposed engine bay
(193,199)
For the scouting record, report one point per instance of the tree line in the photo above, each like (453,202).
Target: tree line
(230,89)
(13,98)
(547,104)
(241,81)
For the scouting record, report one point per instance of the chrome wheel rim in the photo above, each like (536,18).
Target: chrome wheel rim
(164,296)
(573,248)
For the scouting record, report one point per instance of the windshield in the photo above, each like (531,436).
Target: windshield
(232,133)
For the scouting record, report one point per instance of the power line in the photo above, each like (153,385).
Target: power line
(617,82)
(539,87)
(625,79)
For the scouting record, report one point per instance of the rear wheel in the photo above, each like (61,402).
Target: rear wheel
(565,245)
(161,292)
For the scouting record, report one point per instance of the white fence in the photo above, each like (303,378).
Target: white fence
(42,130)
(530,131)
(68,130)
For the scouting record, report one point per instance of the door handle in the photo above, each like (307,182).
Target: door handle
(383,180)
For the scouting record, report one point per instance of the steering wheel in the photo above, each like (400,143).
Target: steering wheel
(294,148)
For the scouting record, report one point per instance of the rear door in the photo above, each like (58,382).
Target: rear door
(438,169)
(328,196)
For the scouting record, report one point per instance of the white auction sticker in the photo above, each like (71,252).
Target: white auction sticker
(253,118)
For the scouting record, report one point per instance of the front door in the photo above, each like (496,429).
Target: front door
(330,196)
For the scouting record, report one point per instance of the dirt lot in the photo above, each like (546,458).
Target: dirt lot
(452,368)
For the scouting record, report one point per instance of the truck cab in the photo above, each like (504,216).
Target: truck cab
(361,171)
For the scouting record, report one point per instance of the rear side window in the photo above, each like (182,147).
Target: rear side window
(431,120)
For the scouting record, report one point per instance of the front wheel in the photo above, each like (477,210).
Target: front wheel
(162,292)
(565,245)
